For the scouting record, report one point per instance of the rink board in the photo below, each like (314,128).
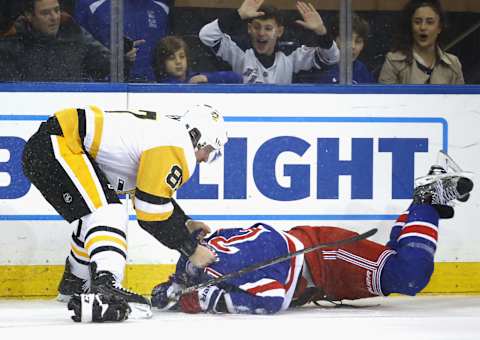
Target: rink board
(343,156)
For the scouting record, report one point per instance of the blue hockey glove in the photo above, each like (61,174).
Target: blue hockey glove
(165,295)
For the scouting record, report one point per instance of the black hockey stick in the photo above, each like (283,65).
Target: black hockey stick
(276,260)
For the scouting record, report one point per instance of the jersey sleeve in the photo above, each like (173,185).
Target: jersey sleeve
(260,294)
(224,47)
(305,58)
(162,170)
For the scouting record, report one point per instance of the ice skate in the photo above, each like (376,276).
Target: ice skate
(445,183)
(104,282)
(71,284)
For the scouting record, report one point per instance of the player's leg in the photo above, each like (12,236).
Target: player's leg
(76,276)
(75,186)
(414,236)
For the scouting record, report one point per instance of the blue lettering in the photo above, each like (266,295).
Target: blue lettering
(360,168)
(264,169)
(403,162)
(19,184)
(235,169)
(235,175)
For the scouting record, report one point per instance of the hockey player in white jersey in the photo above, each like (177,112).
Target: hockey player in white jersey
(80,159)
(264,62)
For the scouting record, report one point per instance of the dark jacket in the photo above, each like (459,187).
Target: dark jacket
(73,55)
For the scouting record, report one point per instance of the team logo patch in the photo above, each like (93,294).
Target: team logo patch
(175,177)
(67,198)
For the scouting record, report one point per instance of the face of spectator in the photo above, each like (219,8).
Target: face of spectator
(176,64)
(357,45)
(425,27)
(45,17)
(264,34)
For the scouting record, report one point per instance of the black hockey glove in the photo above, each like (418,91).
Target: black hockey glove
(98,308)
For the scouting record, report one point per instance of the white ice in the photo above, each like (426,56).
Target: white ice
(415,318)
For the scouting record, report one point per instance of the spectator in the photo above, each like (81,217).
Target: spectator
(264,63)
(360,73)
(145,22)
(9,11)
(171,65)
(47,45)
(417,56)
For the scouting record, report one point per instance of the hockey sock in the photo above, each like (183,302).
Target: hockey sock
(78,257)
(106,239)
(410,269)
(107,247)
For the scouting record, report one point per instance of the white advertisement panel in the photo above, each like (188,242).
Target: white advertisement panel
(319,159)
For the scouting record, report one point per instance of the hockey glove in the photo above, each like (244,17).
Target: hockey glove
(98,308)
(165,295)
(202,300)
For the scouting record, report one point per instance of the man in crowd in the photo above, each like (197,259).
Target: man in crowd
(47,45)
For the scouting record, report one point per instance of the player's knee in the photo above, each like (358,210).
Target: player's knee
(112,215)
(414,282)
(406,276)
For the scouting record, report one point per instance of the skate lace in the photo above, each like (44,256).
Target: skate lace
(444,194)
(86,286)
(125,290)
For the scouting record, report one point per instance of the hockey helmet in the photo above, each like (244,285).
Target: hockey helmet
(206,126)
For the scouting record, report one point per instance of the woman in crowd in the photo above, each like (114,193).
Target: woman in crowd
(417,56)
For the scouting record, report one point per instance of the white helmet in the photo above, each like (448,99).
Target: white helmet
(206,127)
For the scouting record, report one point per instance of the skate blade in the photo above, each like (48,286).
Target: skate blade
(63,298)
(140,311)
(424,180)
(169,305)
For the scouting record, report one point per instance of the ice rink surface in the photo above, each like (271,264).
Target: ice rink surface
(418,318)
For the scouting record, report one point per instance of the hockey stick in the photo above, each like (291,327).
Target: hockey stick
(276,260)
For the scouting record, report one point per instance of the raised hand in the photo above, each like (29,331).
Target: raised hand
(249,9)
(311,18)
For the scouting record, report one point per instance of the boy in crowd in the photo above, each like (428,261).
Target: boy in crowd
(264,62)
(360,73)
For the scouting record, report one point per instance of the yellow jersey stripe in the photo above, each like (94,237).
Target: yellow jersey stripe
(97,137)
(151,217)
(77,164)
(78,252)
(68,120)
(157,174)
(107,238)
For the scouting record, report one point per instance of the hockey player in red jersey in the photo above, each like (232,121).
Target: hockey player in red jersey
(356,270)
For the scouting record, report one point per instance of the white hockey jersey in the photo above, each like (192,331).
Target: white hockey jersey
(140,151)
(246,63)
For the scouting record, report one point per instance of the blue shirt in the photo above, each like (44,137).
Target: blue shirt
(143,19)
(360,75)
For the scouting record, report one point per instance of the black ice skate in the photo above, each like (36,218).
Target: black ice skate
(443,184)
(104,282)
(71,284)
